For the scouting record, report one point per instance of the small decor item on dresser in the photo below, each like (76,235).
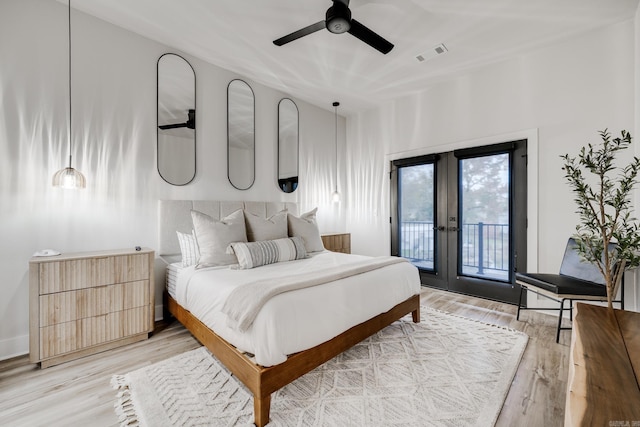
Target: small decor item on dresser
(46,252)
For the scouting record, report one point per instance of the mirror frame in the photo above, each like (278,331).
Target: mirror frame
(253,159)
(280,185)
(195,146)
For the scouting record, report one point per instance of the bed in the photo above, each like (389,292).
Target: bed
(293,332)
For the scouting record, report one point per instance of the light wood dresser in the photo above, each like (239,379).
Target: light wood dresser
(604,369)
(84,303)
(337,242)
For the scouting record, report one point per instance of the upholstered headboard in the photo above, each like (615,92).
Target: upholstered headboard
(175,215)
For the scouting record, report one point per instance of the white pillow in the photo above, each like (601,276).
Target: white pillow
(188,248)
(306,227)
(255,254)
(213,237)
(271,228)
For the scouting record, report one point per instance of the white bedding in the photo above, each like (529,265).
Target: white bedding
(172,273)
(301,319)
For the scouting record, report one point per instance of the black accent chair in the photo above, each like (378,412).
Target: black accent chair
(578,281)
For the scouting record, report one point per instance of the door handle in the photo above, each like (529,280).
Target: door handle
(440,228)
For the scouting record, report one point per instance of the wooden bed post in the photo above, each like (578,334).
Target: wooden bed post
(415,314)
(261,406)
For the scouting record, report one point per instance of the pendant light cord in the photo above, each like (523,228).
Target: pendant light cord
(68,177)
(69,22)
(335,107)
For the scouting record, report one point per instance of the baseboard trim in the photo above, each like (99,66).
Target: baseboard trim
(13,347)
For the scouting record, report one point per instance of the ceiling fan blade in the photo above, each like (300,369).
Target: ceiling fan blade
(173,126)
(300,33)
(369,37)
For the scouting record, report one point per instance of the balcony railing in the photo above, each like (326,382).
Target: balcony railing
(484,247)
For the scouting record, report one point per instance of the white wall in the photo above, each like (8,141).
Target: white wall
(114,119)
(567,91)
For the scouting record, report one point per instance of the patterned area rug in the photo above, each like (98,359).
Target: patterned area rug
(445,371)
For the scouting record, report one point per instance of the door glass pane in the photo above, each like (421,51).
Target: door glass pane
(484,217)
(416,199)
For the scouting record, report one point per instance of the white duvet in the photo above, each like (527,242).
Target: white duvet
(301,319)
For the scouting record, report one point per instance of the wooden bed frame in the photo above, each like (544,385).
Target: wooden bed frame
(262,381)
(175,215)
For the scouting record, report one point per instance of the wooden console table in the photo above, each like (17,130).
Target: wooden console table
(604,369)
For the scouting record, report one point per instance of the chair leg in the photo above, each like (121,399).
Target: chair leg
(571,310)
(559,321)
(520,302)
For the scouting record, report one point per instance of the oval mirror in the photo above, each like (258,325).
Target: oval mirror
(287,145)
(176,119)
(241,135)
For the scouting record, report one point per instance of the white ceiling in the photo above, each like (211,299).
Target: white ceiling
(323,67)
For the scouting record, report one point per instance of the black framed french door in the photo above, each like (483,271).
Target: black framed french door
(460,217)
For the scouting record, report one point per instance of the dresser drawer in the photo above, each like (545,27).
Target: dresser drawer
(91,272)
(72,305)
(67,337)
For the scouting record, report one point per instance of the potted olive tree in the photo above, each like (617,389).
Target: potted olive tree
(602,192)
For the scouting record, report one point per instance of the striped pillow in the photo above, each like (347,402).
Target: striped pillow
(188,248)
(255,254)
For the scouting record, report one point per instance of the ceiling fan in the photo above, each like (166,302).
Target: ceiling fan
(189,124)
(338,20)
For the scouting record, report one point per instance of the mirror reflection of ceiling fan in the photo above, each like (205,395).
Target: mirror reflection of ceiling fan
(190,123)
(338,20)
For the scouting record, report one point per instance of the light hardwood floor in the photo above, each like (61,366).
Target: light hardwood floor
(78,393)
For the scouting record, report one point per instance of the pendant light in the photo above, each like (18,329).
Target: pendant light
(335,196)
(69,177)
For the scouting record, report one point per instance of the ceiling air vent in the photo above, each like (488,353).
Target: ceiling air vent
(432,53)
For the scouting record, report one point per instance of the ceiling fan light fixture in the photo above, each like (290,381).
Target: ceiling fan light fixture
(338,26)
(338,18)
